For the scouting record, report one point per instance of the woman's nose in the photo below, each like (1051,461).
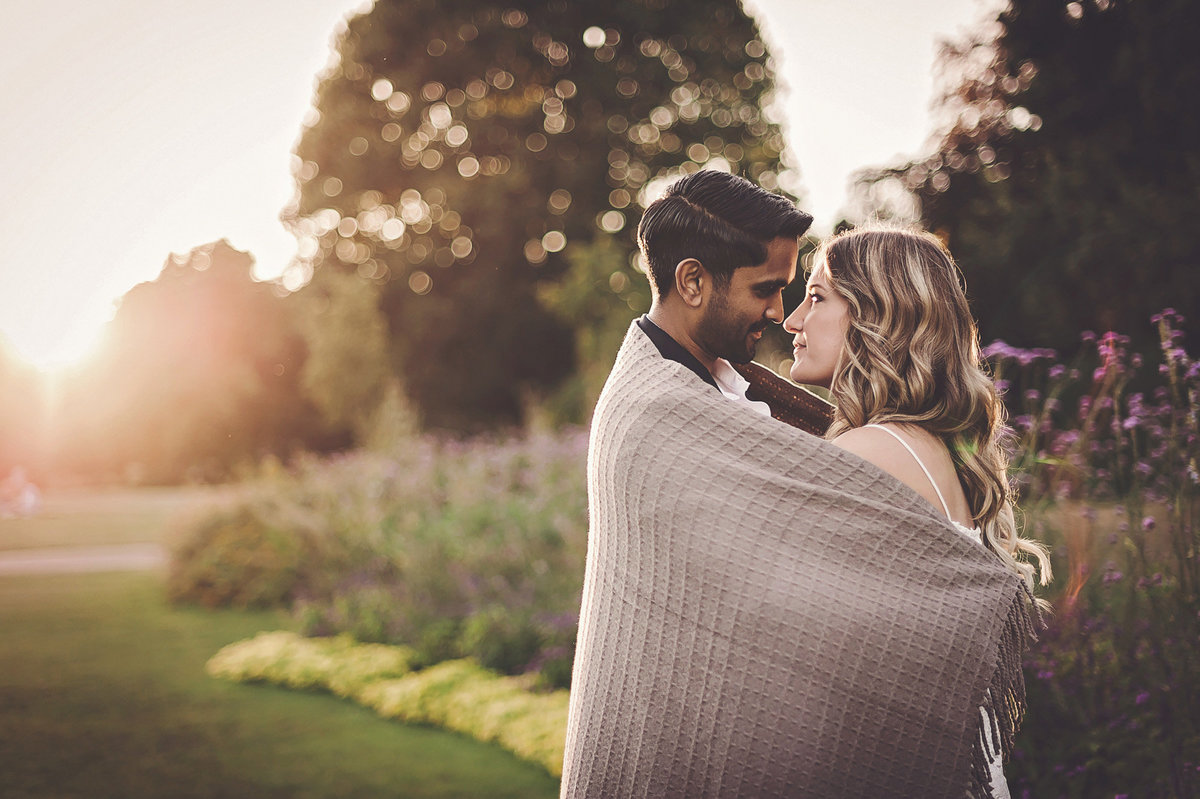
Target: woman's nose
(795,320)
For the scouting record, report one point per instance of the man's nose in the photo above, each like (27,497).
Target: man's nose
(775,312)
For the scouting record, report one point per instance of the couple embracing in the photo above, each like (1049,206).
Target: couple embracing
(785,597)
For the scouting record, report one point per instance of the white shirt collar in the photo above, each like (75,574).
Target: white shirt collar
(734,386)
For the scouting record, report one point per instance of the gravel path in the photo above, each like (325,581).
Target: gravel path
(66,560)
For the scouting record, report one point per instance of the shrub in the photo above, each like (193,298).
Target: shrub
(339,664)
(235,557)
(451,547)
(459,695)
(500,639)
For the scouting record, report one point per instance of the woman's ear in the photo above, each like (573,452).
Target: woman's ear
(692,281)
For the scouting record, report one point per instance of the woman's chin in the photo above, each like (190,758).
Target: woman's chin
(798,374)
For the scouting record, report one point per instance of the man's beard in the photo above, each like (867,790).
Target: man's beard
(729,337)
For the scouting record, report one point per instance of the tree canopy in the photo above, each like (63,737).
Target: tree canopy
(1065,183)
(459,151)
(199,371)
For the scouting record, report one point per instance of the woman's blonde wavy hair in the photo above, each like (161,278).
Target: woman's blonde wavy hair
(911,356)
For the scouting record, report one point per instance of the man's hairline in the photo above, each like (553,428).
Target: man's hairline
(725,280)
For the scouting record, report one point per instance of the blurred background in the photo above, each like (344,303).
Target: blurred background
(389,247)
(195,185)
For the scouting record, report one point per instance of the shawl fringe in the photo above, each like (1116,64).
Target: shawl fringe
(1003,703)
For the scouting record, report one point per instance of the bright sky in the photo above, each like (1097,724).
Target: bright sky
(136,129)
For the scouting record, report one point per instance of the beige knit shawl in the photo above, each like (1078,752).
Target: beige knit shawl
(765,614)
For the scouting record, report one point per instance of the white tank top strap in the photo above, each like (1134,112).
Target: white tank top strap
(911,451)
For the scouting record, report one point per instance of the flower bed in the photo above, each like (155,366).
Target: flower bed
(458,695)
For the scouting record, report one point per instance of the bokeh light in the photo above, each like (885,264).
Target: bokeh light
(420,282)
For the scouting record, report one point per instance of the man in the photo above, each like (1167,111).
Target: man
(719,252)
(747,626)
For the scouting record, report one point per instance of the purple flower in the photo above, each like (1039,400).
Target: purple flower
(1148,523)
(1057,371)
(1142,698)
(997,347)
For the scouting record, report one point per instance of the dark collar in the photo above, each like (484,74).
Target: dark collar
(672,350)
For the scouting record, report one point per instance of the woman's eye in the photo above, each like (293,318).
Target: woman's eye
(814,297)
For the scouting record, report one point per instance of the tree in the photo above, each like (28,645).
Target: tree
(199,372)
(347,373)
(1065,182)
(459,150)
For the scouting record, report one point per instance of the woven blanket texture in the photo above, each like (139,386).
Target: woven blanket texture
(767,615)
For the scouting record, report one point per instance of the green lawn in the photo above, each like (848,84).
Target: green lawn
(85,517)
(103,694)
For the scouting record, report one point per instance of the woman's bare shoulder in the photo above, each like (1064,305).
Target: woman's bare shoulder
(878,447)
(882,449)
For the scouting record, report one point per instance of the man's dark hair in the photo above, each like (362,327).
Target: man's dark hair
(722,220)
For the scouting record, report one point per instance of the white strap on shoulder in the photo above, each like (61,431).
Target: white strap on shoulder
(911,451)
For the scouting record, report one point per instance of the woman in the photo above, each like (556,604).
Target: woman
(885,327)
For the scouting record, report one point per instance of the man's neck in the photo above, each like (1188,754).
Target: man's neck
(674,327)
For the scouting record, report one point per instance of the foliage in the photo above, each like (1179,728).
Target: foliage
(346,371)
(599,295)
(1111,478)
(199,373)
(457,695)
(235,558)
(419,546)
(1064,181)
(459,151)
(338,665)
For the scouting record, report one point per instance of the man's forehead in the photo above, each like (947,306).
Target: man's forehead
(778,266)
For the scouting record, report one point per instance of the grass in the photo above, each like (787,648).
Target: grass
(93,518)
(103,694)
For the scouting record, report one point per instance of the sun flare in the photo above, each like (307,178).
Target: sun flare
(51,351)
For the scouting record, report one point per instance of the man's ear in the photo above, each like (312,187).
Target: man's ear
(692,281)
